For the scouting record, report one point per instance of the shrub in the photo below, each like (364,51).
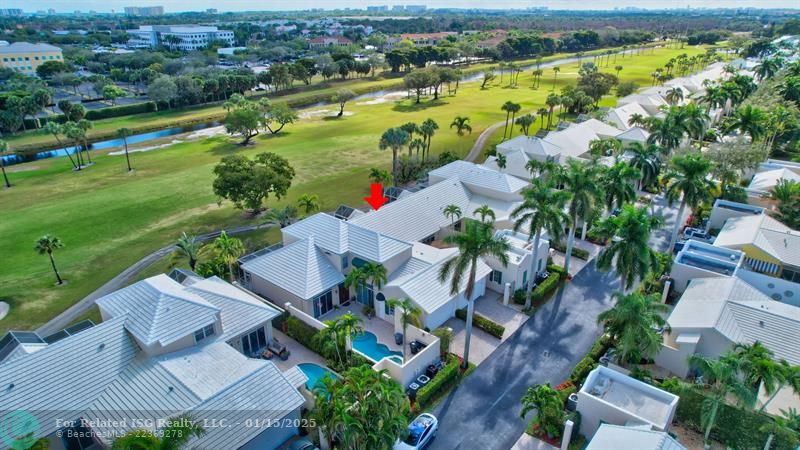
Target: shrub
(519,296)
(443,380)
(484,323)
(576,252)
(278,322)
(590,361)
(554,268)
(302,333)
(124,110)
(545,288)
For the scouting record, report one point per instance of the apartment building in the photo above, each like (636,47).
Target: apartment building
(25,57)
(178,37)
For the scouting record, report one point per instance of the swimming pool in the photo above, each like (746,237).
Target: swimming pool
(367,343)
(314,373)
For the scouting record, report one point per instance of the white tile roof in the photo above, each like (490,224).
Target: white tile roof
(338,236)
(634,134)
(417,216)
(617,437)
(295,377)
(161,310)
(477,176)
(643,100)
(63,378)
(424,287)
(766,233)
(768,179)
(300,268)
(240,310)
(516,161)
(621,115)
(531,145)
(575,140)
(741,313)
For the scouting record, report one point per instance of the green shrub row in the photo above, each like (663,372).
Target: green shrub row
(545,288)
(443,380)
(123,110)
(590,361)
(736,428)
(576,251)
(482,322)
(303,333)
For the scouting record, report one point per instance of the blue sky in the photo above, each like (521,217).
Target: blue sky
(241,5)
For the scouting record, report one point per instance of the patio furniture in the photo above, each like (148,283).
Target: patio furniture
(267,354)
(415,347)
(276,348)
(398,338)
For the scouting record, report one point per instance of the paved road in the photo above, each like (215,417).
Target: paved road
(67,317)
(483,412)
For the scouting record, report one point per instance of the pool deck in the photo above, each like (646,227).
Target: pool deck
(382,329)
(299,353)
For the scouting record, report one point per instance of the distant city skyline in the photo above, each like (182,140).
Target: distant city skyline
(173,6)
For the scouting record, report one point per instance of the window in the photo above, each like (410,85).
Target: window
(204,332)
(539,266)
(344,262)
(365,295)
(77,437)
(525,278)
(791,275)
(36,58)
(496,277)
(254,342)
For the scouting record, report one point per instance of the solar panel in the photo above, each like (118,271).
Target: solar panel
(80,326)
(343,212)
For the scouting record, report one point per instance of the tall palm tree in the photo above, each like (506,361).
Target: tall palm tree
(229,249)
(768,68)
(551,101)
(124,133)
(515,108)
(395,139)
(664,132)
(556,69)
(428,129)
(461,124)
(507,107)
(350,325)
(749,120)
(485,211)
(629,251)
(637,120)
(375,274)
(688,180)
(56,130)
(789,376)
(581,181)
(3,149)
(647,160)
(309,203)
(542,113)
(674,96)
(548,405)
(542,208)
(409,315)
(632,324)
(453,212)
(179,431)
(760,367)
(191,247)
(356,279)
(617,185)
(723,379)
(525,123)
(475,242)
(47,245)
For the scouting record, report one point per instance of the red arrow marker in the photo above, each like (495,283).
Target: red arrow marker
(376,199)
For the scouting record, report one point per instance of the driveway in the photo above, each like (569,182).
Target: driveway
(483,412)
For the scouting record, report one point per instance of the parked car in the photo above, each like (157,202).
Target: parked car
(303,444)
(420,433)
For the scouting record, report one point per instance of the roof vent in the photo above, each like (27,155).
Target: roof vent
(10,386)
(101,347)
(170,389)
(761,323)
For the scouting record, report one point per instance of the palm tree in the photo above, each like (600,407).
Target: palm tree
(124,133)
(309,203)
(760,367)
(646,159)
(356,279)
(515,108)
(350,325)
(380,176)
(525,123)
(632,324)
(428,129)
(637,120)
(542,208)
(229,249)
(674,96)
(749,120)
(556,69)
(617,185)
(394,138)
(461,123)
(618,69)
(190,246)
(282,217)
(453,212)
(629,250)
(56,130)
(688,181)
(507,107)
(501,161)
(410,315)
(445,335)
(46,245)
(551,101)
(549,408)
(375,274)
(485,211)
(789,376)
(768,67)
(475,242)
(179,431)
(664,132)
(542,112)
(581,181)
(723,380)
(3,149)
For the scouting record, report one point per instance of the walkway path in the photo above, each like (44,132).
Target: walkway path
(477,147)
(483,412)
(64,319)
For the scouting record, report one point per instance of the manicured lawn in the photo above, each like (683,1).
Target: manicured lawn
(109,219)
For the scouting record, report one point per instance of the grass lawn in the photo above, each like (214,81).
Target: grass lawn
(109,218)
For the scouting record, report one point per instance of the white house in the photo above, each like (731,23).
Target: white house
(618,437)
(187,37)
(621,116)
(611,397)
(164,349)
(768,175)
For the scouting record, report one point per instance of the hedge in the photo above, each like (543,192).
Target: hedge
(124,110)
(302,333)
(482,322)
(590,361)
(545,288)
(576,251)
(735,427)
(443,380)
